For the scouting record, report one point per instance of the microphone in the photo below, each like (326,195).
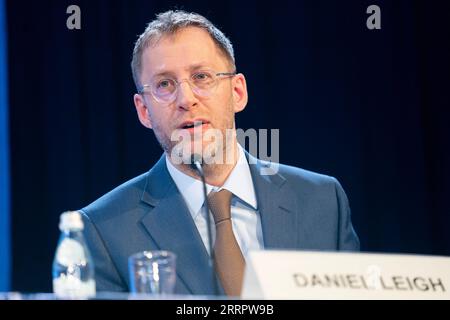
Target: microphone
(197,166)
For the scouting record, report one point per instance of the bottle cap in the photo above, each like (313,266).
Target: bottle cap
(70,220)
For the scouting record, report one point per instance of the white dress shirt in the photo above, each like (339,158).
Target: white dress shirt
(246,220)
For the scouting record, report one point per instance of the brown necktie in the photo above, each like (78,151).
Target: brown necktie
(229,262)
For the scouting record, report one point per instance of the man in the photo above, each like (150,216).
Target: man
(184,71)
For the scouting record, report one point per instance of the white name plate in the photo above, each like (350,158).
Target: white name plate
(325,275)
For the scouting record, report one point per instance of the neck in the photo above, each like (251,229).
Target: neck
(215,174)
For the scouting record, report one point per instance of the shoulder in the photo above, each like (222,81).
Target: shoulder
(312,185)
(120,199)
(300,175)
(304,183)
(299,178)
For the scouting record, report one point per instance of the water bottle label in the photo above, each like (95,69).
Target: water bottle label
(68,251)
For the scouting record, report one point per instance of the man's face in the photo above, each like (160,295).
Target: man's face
(178,57)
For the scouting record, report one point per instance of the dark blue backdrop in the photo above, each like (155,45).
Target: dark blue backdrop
(4,159)
(368,107)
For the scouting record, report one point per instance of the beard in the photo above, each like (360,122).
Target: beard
(216,147)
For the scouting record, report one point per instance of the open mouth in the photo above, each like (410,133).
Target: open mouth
(191,125)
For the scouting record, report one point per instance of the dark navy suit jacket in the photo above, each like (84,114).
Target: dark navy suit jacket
(299,210)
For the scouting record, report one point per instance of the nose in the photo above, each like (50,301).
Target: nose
(186,98)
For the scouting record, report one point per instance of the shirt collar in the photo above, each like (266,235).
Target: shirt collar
(239,182)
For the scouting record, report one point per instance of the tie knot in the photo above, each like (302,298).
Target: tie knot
(220,205)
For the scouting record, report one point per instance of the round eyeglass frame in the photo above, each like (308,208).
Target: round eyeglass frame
(194,88)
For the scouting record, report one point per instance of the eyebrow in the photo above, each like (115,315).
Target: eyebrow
(194,67)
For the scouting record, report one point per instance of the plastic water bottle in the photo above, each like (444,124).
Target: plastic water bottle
(73,269)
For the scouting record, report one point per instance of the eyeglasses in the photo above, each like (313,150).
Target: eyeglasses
(202,83)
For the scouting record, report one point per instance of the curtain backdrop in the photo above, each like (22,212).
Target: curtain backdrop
(369,107)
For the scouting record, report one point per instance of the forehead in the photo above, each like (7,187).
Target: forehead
(186,48)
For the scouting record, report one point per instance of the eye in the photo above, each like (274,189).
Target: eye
(164,84)
(202,76)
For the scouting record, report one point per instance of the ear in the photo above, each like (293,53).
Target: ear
(142,111)
(240,95)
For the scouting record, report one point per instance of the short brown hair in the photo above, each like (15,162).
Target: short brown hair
(169,23)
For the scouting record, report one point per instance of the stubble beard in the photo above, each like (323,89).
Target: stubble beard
(211,169)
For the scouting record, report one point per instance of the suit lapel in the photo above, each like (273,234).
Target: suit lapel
(277,206)
(171,226)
